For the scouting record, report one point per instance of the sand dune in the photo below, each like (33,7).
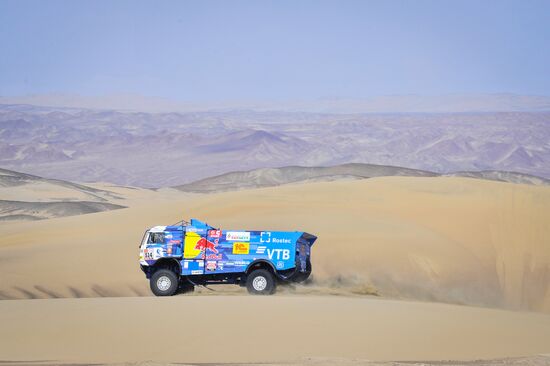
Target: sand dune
(14,185)
(336,330)
(438,239)
(434,239)
(18,210)
(29,197)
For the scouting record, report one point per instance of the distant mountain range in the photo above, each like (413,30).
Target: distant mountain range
(168,149)
(451,103)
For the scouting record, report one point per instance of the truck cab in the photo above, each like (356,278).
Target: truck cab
(176,258)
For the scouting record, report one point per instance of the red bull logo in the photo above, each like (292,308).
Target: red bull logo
(204,245)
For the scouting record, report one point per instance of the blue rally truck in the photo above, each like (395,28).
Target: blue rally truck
(178,257)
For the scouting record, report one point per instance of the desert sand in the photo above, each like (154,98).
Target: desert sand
(453,240)
(258,329)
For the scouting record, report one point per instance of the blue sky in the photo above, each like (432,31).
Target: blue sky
(217,50)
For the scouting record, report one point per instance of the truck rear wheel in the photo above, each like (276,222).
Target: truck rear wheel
(164,283)
(260,282)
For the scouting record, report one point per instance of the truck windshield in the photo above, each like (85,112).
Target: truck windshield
(156,238)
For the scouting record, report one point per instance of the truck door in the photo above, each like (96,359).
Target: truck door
(212,254)
(193,253)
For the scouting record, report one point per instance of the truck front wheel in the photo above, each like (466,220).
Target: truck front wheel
(164,282)
(260,282)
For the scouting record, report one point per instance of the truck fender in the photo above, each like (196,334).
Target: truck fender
(166,263)
(263,263)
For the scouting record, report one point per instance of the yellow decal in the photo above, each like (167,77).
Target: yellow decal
(190,249)
(241,248)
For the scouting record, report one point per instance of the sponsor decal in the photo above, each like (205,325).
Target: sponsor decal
(260,250)
(211,266)
(283,254)
(241,263)
(185,264)
(241,248)
(280,264)
(281,241)
(269,237)
(191,240)
(265,237)
(169,250)
(214,257)
(215,233)
(201,264)
(197,230)
(168,236)
(204,245)
(196,272)
(174,241)
(238,235)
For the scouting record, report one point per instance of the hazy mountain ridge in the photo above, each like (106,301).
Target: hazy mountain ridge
(269,177)
(167,149)
(502,176)
(450,103)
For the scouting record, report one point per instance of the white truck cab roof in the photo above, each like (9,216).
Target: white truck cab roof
(157,229)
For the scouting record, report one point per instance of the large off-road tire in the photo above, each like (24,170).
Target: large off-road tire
(164,282)
(261,282)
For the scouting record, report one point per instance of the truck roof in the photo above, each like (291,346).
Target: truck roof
(157,229)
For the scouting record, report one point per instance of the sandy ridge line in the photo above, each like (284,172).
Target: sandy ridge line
(537,360)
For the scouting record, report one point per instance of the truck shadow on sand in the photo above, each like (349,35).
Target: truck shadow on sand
(336,286)
(42,292)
